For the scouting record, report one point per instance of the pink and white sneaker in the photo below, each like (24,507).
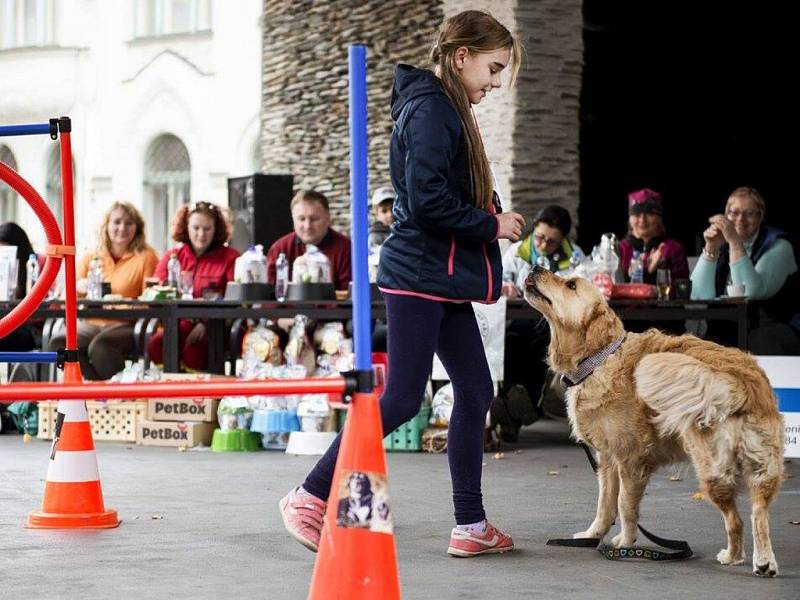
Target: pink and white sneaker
(468,543)
(303,515)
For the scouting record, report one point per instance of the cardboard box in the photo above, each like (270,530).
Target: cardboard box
(183,409)
(163,433)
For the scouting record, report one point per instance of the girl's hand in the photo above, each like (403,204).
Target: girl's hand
(196,334)
(509,226)
(510,290)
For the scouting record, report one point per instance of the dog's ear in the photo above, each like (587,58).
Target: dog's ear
(601,326)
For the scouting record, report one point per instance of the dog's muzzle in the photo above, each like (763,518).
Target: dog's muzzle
(531,288)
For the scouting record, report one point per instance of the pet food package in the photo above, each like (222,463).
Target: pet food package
(299,350)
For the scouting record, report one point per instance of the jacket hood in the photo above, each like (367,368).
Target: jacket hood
(410,83)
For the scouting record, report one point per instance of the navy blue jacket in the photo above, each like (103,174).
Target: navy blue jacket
(441,245)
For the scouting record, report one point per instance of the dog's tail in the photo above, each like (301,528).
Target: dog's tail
(685,392)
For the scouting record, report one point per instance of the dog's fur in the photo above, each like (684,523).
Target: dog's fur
(660,399)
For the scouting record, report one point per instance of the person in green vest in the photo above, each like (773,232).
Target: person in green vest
(548,245)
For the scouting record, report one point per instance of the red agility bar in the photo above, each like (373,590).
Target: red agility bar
(33,392)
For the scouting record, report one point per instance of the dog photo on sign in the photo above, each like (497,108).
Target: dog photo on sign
(643,400)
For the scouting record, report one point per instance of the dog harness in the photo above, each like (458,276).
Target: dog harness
(587,366)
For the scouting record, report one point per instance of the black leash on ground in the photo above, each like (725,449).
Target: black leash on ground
(681,548)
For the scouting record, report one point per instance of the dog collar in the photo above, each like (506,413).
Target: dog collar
(588,365)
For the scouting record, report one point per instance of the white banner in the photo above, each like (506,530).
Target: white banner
(784,376)
(492,326)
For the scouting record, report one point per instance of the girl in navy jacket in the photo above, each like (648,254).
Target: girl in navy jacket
(441,254)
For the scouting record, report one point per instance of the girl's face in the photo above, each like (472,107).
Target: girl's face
(121,228)
(646,226)
(480,71)
(201,232)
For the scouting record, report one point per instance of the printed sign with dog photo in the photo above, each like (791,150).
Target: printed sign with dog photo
(363,502)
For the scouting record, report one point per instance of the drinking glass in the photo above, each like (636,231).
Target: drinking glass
(186,285)
(664,283)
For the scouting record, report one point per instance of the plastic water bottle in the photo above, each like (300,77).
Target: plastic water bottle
(94,290)
(281,277)
(173,271)
(636,268)
(32,268)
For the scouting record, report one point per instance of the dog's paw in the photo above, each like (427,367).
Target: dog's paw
(765,567)
(621,541)
(724,557)
(589,533)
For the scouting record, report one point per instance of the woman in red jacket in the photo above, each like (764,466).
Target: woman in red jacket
(203,232)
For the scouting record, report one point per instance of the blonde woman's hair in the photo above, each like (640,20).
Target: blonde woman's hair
(750,193)
(138,243)
(479,33)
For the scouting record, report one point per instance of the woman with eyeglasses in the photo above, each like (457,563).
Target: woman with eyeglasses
(203,232)
(740,250)
(526,342)
(547,245)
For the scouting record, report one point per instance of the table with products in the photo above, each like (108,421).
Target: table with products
(220,314)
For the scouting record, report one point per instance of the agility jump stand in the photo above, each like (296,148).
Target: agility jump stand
(355,561)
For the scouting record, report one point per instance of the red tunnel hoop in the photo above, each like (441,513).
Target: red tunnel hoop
(30,303)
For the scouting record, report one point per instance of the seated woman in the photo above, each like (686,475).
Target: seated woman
(526,342)
(127,262)
(741,250)
(22,339)
(647,235)
(203,232)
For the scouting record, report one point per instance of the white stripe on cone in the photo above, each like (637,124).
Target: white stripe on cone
(73,467)
(74,410)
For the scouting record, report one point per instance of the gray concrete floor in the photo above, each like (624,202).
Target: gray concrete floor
(219,533)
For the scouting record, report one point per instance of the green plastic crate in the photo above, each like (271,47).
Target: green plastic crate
(407,437)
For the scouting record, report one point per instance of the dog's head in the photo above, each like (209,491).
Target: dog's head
(581,322)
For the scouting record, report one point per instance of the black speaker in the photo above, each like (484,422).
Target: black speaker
(259,206)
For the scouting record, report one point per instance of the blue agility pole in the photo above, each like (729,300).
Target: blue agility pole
(359,207)
(28,357)
(32,129)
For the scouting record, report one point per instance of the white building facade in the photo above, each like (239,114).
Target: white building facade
(164,97)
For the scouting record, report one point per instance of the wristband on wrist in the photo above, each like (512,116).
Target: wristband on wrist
(709,255)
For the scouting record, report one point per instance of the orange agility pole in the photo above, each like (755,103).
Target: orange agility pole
(173,389)
(73,498)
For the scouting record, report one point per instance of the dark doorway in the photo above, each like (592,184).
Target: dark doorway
(692,99)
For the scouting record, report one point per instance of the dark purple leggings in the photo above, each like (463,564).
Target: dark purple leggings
(416,328)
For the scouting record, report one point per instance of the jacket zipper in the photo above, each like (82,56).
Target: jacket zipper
(451,258)
(488,273)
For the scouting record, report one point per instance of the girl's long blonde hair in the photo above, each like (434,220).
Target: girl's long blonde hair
(138,243)
(478,32)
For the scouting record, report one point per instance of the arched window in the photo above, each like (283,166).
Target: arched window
(8,197)
(167,185)
(52,194)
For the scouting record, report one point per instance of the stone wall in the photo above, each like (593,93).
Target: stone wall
(530,130)
(546,162)
(305,86)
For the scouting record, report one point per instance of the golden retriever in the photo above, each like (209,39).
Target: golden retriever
(659,399)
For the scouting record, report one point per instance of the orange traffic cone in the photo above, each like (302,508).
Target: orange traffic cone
(357,557)
(73,498)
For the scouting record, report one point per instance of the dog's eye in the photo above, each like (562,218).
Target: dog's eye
(571,285)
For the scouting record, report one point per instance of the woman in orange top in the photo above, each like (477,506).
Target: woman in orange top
(127,262)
